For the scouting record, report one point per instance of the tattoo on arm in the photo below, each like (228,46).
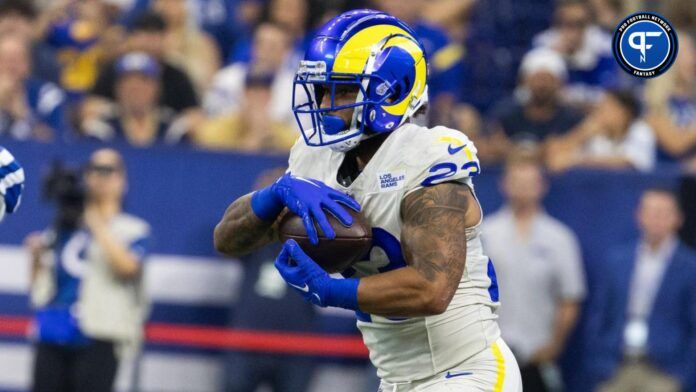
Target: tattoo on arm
(434,233)
(240,230)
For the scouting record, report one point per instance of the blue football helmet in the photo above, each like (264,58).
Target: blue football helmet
(379,55)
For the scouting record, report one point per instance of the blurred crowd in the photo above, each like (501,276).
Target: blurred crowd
(218,74)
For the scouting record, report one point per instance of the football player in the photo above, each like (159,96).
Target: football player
(426,296)
(11,183)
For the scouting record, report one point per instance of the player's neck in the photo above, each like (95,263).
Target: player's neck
(363,153)
(355,160)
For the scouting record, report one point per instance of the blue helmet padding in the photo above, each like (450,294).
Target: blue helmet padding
(333,124)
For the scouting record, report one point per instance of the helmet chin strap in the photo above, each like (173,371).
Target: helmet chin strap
(351,143)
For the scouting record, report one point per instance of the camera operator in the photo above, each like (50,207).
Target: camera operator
(11,183)
(87,279)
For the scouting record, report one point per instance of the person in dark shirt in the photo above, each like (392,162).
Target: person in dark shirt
(176,91)
(536,111)
(137,118)
(147,35)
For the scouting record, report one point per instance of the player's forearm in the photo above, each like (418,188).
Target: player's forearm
(403,293)
(240,231)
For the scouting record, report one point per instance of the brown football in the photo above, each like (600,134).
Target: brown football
(349,246)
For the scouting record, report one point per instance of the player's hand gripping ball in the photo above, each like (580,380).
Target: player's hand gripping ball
(349,245)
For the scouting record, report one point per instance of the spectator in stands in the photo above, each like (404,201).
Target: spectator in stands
(681,13)
(608,13)
(445,57)
(643,323)
(19,17)
(82,32)
(536,110)
(539,269)
(87,283)
(177,91)
(186,46)
(612,136)
(250,104)
(293,15)
(147,35)
(29,108)
(219,18)
(11,183)
(137,117)
(266,304)
(250,129)
(671,104)
(452,15)
(586,50)
(248,14)
(270,50)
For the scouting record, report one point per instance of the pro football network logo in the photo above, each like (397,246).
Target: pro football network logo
(645,44)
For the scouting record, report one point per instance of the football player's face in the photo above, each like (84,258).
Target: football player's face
(658,216)
(345,94)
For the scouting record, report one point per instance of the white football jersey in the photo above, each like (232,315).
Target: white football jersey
(412,157)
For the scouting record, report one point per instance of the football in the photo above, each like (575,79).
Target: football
(350,245)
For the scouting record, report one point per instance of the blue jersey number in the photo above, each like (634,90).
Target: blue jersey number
(392,248)
(390,245)
(448,169)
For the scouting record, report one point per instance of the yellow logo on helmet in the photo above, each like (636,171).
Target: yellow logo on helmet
(353,57)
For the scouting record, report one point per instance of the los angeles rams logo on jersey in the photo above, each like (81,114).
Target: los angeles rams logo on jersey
(645,44)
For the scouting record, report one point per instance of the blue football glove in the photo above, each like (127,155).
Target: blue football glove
(312,282)
(306,198)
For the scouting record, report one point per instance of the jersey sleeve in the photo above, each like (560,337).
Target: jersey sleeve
(303,160)
(441,155)
(295,156)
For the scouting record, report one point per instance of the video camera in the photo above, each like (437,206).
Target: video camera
(63,186)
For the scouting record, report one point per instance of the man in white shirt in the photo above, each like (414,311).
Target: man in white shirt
(540,274)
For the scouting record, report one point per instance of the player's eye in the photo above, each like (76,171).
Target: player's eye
(344,90)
